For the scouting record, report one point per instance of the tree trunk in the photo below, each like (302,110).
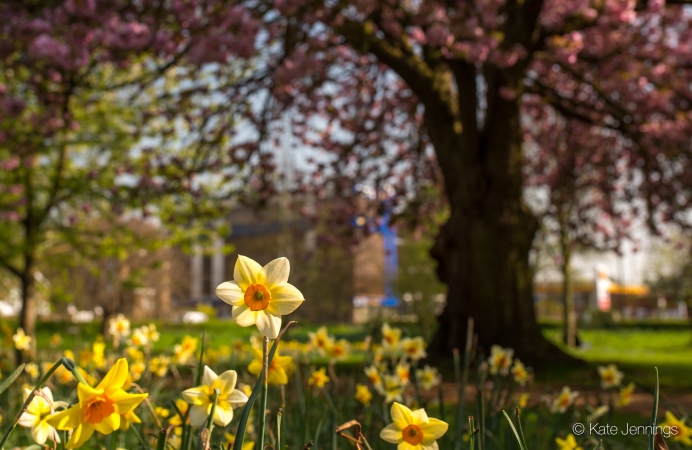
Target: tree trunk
(27,318)
(569,316)
(483,249)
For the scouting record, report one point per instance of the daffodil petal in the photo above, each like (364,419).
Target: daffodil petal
(116,377)
(226,382)
(246,272)
(268,324)
(431,446)
(66,420)
(276,273)
(433,430)
(28,420)
(85,392)
(255,367)
(124,402)
(198,415)
(419,416)
(406,446)
(80,435)
(277,376)
(108,424)
(401,415)
(230,293)
(391,434)
(286,293)
(244,316)
(198,396)
(223,416)
(237,399)
(209,376)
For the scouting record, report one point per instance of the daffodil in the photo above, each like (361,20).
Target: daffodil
(390,336)
(373,374)
(403,371)
(99,357)
(338,350)
(260,295)
(176,420)
(320,340)
(37,414)
(414,348)
(99,409)
(519,372)
(139,337)
(391,388)
(363,394)
(569,443)
(230,440)
(679,432)
(428,377)
(128,419)
(119,327)
(500,360)
(318,378)
(201,398)
(564,400)
(22,342)
(161,412)
(625,395)
(523,400)
(32,370)
(158,365)
(413,430)
(610,376)
(184,351)
(279,369)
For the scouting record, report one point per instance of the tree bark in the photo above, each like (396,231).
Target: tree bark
(483,249)
(569,315)
(27,318)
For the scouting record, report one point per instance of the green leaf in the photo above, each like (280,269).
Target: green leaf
(5,384)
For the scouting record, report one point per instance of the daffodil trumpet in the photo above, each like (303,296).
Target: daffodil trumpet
(240,437)
(63,362)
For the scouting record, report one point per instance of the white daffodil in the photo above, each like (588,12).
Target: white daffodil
(202,398)
(37,414)
(260,295)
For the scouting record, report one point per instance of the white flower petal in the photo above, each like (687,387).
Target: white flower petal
(419,416)
(223,416)
(276,273)
(237,398)
(401,415)
(209,376)
(230,293)
(40,432)
(268,324)
(244,316)
(285,300)
(226,382)
(246,272)
(198,415)
(27,420)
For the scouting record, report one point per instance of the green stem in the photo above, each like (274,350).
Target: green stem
(210,423)
(263,400)
(30,397)
(141,440)
(240,437)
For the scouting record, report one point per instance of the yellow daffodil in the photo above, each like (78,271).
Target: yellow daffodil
(569,443)
(519,372)
(128,419)
(151,332)
(564,400)
(98,349)
(279,369)
(414,348)
(201,398)
(679,432)
(137,370)
(610,376)
(596,413)
(139,337)
(500,360)
(55,340)
(176,420)
(161,412)
(22,342)
(428,377)
(99,409)
(318,378)
(32,370)
(391,388)
(363,394)
(403,371)
(338,350)
(158,365)
(185,350)
(390,336)
(37,414)
(373,374)
(320,340)
(625,396)
(260,295)
(413,430)
(523,400)
(230,441)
